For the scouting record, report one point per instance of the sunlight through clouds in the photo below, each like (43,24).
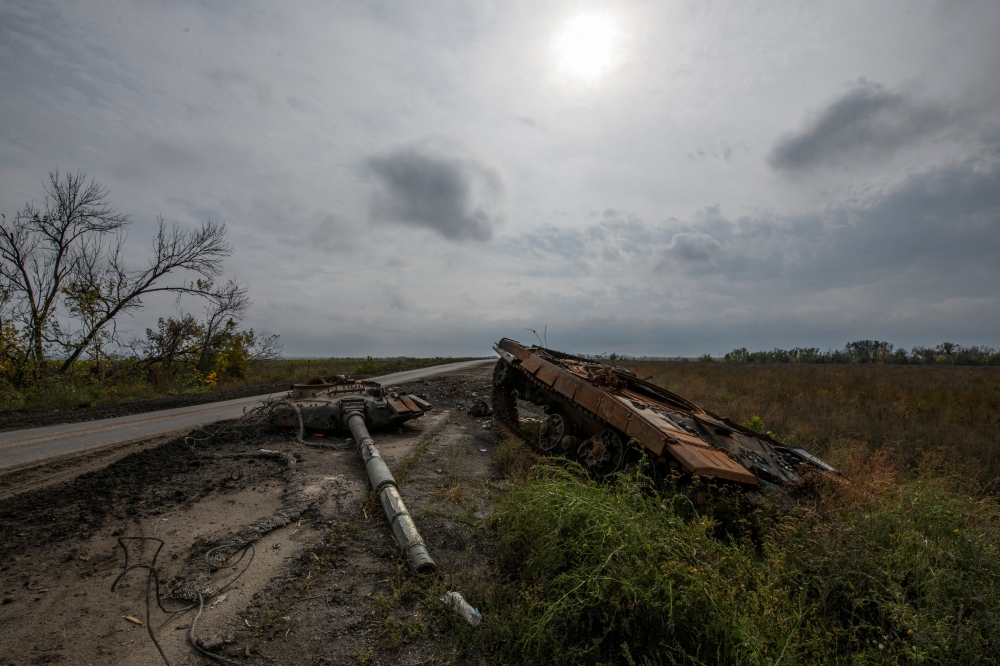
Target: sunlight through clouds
(587,46)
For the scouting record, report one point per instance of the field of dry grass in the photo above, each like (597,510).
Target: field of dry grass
(947,416)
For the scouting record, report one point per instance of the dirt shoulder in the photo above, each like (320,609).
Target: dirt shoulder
(327,587)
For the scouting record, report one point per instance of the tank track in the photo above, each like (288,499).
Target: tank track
(505,402)
(504,405)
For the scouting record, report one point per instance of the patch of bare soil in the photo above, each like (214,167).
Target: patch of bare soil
(326,587)
(20,419)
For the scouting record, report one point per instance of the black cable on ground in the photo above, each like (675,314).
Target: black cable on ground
(194,641)
(152,579)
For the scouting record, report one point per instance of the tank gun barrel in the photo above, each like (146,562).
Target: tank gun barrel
(383,483)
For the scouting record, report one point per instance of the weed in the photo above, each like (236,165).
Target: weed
(403,469)
(511,457)
(755,423)
(454,493)
(468,517)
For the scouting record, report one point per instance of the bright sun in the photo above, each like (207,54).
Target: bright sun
(586,46)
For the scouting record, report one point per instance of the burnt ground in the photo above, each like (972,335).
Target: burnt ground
(19,420)
(329,587)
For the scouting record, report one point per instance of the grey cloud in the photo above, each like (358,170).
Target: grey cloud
(603,248)
(332,234)
(223,78)
(867,122)
(147,154)
(944,222)
(720,150)
(436,188)
(691,246)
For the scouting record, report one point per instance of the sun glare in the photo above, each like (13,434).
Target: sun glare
(586,46)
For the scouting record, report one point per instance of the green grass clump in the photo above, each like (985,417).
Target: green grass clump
(511,456)
(872,572)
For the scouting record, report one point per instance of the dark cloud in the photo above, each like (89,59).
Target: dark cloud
(867,122)
(426,186)
(943,225)
(691,246)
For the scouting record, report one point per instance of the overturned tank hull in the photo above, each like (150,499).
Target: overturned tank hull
(324,405)
(609,419)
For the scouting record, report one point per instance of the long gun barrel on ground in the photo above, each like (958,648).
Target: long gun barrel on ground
(383,483)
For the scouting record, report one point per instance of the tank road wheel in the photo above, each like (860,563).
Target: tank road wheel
(603,455)
(551,433)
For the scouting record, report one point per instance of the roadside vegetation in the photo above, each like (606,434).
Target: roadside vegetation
(900,565)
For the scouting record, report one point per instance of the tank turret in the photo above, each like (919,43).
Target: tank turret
(325,403)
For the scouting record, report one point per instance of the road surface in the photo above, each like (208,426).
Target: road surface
(24,447)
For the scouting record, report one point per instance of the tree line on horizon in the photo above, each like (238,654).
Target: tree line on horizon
(869,351)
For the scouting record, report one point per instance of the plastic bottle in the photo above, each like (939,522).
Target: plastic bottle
(458,602)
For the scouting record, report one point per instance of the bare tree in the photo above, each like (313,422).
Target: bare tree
(71,252)
(41,249)
(111,288)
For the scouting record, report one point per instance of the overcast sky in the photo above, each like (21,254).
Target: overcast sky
(405,178)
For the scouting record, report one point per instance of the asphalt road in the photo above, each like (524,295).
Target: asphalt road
(23,447)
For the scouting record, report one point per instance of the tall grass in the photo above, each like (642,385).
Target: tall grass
(879,571)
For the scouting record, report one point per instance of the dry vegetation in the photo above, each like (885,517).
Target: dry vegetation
(949,413)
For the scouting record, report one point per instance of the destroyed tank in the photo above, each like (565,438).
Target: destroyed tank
(608,419)
(323,405)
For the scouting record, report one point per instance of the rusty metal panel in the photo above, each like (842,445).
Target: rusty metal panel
(514,348)
(688,438)
(397,406)
(531,364)
(410,405)
(588,397)
(614,412)
(710,462)
(566,384)
(422,404)
(547,374)
(646,433)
